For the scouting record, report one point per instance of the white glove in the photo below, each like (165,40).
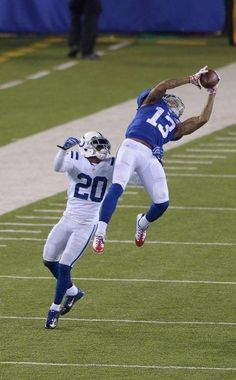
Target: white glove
(213,90)
(195,78)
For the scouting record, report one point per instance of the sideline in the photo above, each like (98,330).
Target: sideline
(26,165)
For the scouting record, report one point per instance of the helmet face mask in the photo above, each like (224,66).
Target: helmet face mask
(175,103)
(93,144)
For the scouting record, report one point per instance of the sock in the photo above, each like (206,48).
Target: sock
(101,229)
(63,283)
(72,291)
(110,202)
(55,307)
(52,266)
(143,222)
(156,210)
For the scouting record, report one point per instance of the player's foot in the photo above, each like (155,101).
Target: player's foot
(98,244)
(140,234)
(70,301)
(52,319)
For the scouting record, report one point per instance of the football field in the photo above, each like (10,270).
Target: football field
(163,311)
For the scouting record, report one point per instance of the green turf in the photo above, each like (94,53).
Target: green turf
(91,86)
(131,284)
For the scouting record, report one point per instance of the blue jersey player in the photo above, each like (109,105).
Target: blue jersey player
(156,122)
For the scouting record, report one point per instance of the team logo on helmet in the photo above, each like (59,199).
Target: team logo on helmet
(175,103)
(94,144)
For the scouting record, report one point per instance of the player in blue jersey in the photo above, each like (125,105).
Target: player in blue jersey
(156,122)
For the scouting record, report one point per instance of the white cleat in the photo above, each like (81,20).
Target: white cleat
(140,234)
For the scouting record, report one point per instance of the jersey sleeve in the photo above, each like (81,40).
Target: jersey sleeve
(65,161)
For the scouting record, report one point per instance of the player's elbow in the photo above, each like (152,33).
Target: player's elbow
(203,119)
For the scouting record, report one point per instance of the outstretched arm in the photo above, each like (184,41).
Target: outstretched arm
(193,123)
(160,89)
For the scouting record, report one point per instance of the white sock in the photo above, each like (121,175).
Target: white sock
(143,223)
(101,229)
(55,307)
(72,291)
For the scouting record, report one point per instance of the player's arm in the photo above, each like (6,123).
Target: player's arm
(193,123)
(160,89)
(61,161)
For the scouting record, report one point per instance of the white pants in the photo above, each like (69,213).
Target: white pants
(134,156)
(67,241)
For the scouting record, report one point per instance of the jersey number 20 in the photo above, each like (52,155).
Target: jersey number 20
(92,185)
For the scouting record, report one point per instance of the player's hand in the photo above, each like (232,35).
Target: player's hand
(195,78)
(71,141)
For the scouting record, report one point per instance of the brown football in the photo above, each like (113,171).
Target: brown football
(209,79)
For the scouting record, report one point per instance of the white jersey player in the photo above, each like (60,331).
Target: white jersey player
(89,173)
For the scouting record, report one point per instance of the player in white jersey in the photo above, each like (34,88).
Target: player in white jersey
(156,122)
(89,173)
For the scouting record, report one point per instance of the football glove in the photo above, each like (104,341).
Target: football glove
(158,152)
(195,78)
(71,141)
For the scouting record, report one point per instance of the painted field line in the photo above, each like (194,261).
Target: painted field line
(100,365)
(225,138)
(14,83)
(179,167)
(38,75)
(199,156)
(210,150)
(232,133)
(26,224)
(120,45)
(187,162)
(225,176)
(128,321)
(21,231)
(37,217)
(65,66)
(218,145)
(148,280)
(2,245)
(213,244)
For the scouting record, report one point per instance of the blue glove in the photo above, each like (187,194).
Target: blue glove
(158,152)
(71,141)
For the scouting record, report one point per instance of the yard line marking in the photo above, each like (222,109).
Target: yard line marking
(188,282)
(202,175)
(187,162)
(66,65)
(14,83)
(36,217)
(216,145)
(27,224)
(180,167)
(22,231)
(38,75)
(225,138)
(217,244)
(232,133)
(100,365)
(210,150)
(120,45)
(131,321)
(2,245)
(47,210)
(199,156)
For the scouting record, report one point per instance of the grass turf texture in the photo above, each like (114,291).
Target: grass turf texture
(103,336)
(37,105)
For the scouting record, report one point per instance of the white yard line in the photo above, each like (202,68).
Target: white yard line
(38,75)
(129,366)
(129,321)
(29,149)
(21,231)
(26,224)
(134,280)
(220,157)
(14,83)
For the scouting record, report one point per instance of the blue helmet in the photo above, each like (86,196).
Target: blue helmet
(142,97)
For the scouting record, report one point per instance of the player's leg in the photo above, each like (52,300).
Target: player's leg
(154,181)
(77,243)
(124,167)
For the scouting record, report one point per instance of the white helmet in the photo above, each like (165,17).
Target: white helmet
(175,103)
(93,144)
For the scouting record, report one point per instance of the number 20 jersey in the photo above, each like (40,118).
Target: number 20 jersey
(88,184)
(154,123)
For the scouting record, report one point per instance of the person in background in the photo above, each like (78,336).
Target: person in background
(83,31)
(230,22)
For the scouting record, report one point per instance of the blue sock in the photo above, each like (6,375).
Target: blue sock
(52,266)
(156,210)
(110,202)
(63,283)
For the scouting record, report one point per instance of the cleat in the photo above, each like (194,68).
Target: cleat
(70,301)
(98,244)
(52,319)
(140,234)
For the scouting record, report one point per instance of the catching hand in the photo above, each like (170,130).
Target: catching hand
(71,141)
(194,79)
(213,90)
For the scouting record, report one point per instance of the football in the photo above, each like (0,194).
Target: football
(209,79)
